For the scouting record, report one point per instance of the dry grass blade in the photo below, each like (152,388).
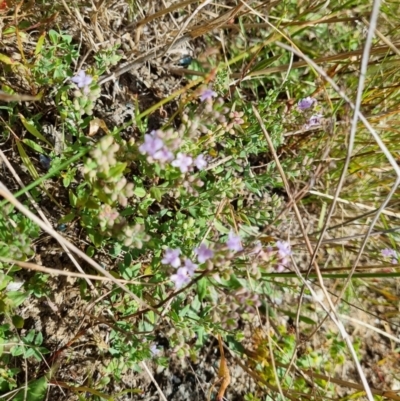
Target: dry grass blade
(357,106)
(160,392)
(192,34)
(355,204)
(345,56)
(332,312)
(385,151)
(158,14)
(223,372)
(57,272)
(187,22)
(16,97)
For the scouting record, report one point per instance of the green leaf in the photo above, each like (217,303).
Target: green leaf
(36,391)
(220,227)
(39,338)
(183,312)
(117,170)
(68,177)
(67,38)
(17,297)
(17,351)
(67,218)
(304,319)
(73,199)
(18,321)
(200,336)
(96,238)
(202,288)
(7,60)
(139,192)
(152,317)
(36,147)
(33,130)
(53,36)
(4,280)
(244,218)
(90,251)
(196,304)
(193,211)
(39,44)
(29,337)
(127,259)
(265,63)
(29,352)
(156,194)
(27,161)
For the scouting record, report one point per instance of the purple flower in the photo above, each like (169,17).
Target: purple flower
(200,162)
(151,144)
(190,267)
(207,94)
(314,121)
(283,249)
(181,277)
(171,257)
(82,80)
(306,103)
(183,162)
(154,350)
(389,253)
(234,243)
(280,268)
(284,261)
(163,155)
(203,253)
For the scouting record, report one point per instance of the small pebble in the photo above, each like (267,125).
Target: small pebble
(45,161)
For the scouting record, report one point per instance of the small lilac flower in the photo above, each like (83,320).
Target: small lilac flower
(234,242)
(203,253)
(151,144)
(171,257)
(82,80)
(200,162)
(207,94)
(280,268)
(183,162)
(306,103)
(284,261)
(190,267)
(163,155)
(283,249)
(181,277)
(314,121)
(389,253)
(154,350)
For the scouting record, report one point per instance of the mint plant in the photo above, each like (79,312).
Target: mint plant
(194,216)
